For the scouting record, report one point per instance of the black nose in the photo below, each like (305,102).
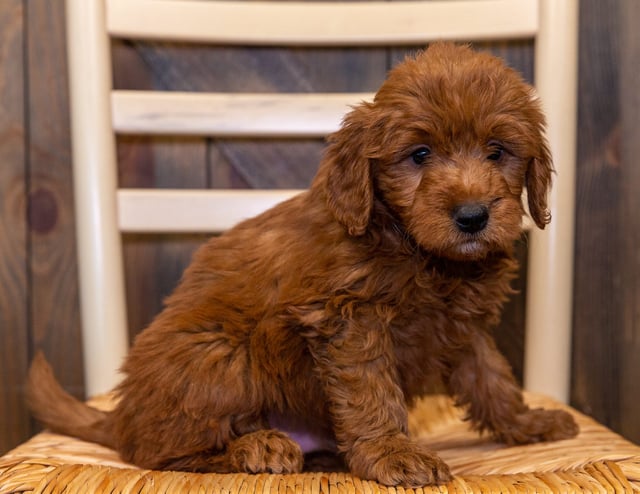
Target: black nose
(471,218)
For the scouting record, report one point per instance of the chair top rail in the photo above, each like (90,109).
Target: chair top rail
(321,23)
(231,114)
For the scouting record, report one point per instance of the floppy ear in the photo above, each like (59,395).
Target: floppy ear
(538,183)
(346,170)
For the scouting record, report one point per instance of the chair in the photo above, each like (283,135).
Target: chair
(597,460)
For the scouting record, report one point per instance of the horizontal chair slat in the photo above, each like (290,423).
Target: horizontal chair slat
(182,211)
(322,23)
(202,210)
(236,115)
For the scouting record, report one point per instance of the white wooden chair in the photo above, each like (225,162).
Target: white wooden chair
(99,113)
(597,460)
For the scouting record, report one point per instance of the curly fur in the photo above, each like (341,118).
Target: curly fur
(332,312)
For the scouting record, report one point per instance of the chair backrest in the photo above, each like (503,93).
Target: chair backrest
(99,113)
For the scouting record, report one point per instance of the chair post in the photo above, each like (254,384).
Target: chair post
(102,289)
(547,366)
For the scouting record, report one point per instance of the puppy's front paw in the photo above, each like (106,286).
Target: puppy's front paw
(398,461)
(538,425)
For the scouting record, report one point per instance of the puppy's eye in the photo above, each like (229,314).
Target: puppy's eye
(496,152)
(420,155)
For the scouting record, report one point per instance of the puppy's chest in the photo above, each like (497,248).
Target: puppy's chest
(438,320)
(432,298)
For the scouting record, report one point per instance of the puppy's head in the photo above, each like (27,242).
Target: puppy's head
(447,146)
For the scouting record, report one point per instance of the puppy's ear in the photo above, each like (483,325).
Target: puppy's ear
(538,183)
(346,171)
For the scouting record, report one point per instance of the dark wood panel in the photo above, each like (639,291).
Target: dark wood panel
(14,422)
(597,307)
(54,313)
(630,220)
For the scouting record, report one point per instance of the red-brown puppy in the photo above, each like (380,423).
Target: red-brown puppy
(330,312)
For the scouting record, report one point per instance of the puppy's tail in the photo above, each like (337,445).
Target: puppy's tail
(59,411)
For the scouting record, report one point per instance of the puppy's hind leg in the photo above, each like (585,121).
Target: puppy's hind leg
(261,451)
(266,450)
(205,411)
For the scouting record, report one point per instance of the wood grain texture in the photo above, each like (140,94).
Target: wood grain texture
(14,320)
(606,308)
(630,219)
(54,312)
(598,264)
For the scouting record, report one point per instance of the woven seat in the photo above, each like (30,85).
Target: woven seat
(598,460)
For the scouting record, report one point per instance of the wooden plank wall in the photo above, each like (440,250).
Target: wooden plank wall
(39,293)
(629,418)
(606,370)
(14,288)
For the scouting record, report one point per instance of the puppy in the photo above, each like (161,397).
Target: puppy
(331,312)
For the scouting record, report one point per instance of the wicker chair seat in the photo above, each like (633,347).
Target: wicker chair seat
(598,460)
